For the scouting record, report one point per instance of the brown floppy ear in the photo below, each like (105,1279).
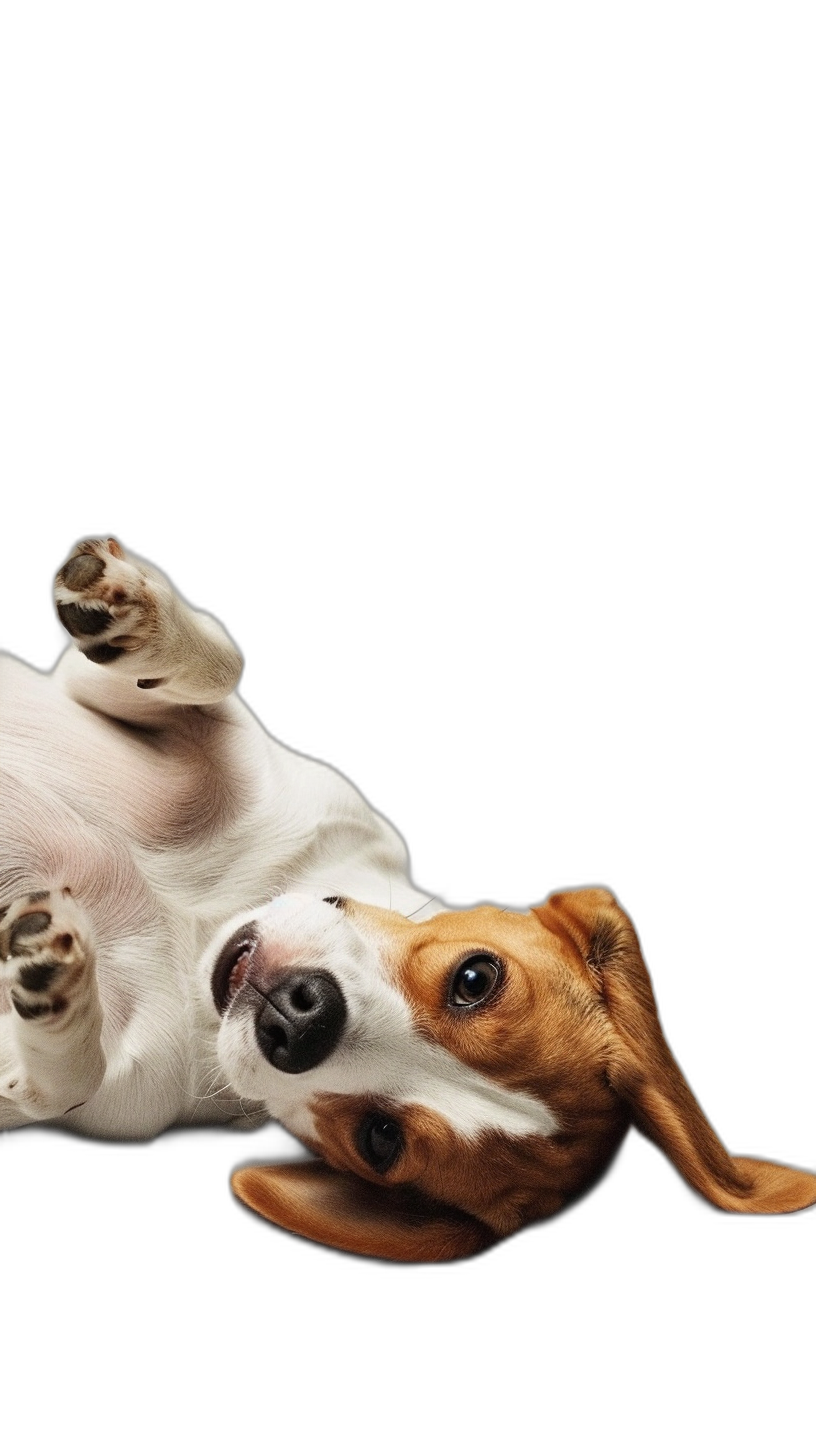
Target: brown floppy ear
(643,1072)
(348,1213)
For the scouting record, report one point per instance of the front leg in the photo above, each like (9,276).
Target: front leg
(140,648)
(51,1056)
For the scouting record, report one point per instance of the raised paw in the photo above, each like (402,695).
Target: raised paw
(105,601)
(45,950)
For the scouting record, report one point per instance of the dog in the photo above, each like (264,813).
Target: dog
(199,925)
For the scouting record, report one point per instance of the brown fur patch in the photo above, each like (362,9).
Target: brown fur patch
(543,1032)
(502,1181)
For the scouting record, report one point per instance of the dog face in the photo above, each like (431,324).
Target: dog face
(460,1077)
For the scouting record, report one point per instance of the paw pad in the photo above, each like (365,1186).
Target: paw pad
(82,571)
(83,621)
(42,944)
(104,601)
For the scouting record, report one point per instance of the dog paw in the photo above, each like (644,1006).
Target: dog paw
(105,601)
(45,950)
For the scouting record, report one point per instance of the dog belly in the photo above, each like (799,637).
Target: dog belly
(168,784)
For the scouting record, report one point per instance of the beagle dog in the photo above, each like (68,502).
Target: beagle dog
(199,925)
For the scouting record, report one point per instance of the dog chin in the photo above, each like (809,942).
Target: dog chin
(240,1058)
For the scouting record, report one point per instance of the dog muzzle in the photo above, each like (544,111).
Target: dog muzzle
(299,1012)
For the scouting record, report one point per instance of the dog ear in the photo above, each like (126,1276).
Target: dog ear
(643,1072)
(348,1213)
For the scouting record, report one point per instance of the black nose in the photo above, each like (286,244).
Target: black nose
(301,1020)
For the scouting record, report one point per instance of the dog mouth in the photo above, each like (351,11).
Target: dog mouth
(232,965)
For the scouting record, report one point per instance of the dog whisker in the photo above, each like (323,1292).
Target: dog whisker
(412,913)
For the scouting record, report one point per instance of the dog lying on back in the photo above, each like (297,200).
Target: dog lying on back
(198,925)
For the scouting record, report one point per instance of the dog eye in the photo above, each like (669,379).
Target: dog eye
(474,981)
(379,1141)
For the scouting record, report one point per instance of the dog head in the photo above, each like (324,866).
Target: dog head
(460,1077)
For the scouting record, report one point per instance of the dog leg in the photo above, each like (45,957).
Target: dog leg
(50,1044)
(141,649)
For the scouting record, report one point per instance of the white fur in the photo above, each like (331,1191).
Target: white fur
(172,816)
(381,1055)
